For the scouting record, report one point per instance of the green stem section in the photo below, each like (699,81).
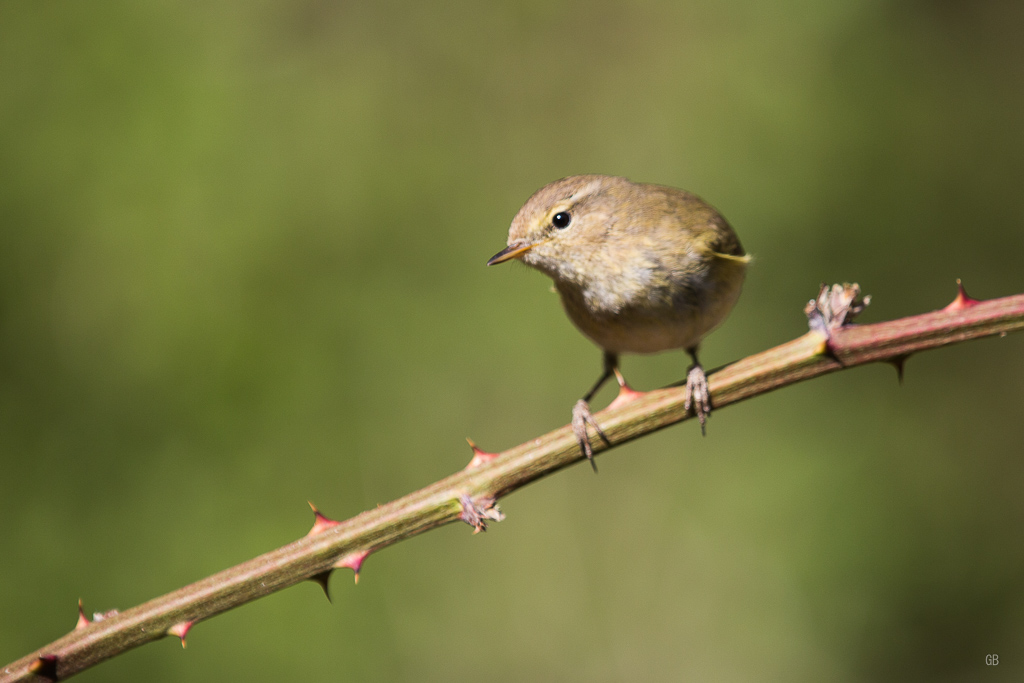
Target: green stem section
(314,555)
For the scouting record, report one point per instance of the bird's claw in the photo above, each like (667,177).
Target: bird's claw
(581,417)
(697,396)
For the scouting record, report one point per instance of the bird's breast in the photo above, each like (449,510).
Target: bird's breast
(649,307)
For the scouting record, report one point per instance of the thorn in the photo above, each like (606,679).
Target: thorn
(45,666)
(962,299)
(353,561)
(320,523)
(898,363)
(83,621)
(479,456)
(181,630)
(477,513)
(322,580)
(626,393)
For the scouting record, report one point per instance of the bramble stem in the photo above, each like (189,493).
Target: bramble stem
(343,544)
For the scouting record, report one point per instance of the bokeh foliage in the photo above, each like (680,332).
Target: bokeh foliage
(241,265)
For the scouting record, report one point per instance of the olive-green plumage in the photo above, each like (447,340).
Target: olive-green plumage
(640,269)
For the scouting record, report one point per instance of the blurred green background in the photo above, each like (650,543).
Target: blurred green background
(242,257)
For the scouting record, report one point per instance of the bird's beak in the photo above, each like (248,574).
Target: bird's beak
(514,250)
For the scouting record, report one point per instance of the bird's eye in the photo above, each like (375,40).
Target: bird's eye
(561,220)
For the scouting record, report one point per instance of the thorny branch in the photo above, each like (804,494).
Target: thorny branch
(832,343)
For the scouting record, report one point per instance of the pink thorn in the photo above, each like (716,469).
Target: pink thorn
(962,299)
(181,630)
(353,561)
(320,523)
(479,456)
(83,621)
(626,395)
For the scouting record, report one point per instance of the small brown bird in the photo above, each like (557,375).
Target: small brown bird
(640,269)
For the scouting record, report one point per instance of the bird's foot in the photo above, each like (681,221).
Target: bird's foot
(697,396)
(581,417)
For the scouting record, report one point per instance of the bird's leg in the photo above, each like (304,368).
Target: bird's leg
(581,415)
(697,395)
